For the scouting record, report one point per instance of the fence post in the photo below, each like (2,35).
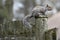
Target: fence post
(40,27)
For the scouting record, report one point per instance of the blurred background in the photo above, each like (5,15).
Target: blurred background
(13,11)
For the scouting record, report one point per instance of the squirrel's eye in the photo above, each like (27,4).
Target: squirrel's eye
(49,8)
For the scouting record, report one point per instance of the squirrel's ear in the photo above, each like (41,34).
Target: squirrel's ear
(47,5)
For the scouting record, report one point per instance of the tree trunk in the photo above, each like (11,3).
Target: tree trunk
(8,6)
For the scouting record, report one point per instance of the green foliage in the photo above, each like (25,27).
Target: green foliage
(16,28)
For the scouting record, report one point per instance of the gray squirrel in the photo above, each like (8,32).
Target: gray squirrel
(38,10)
